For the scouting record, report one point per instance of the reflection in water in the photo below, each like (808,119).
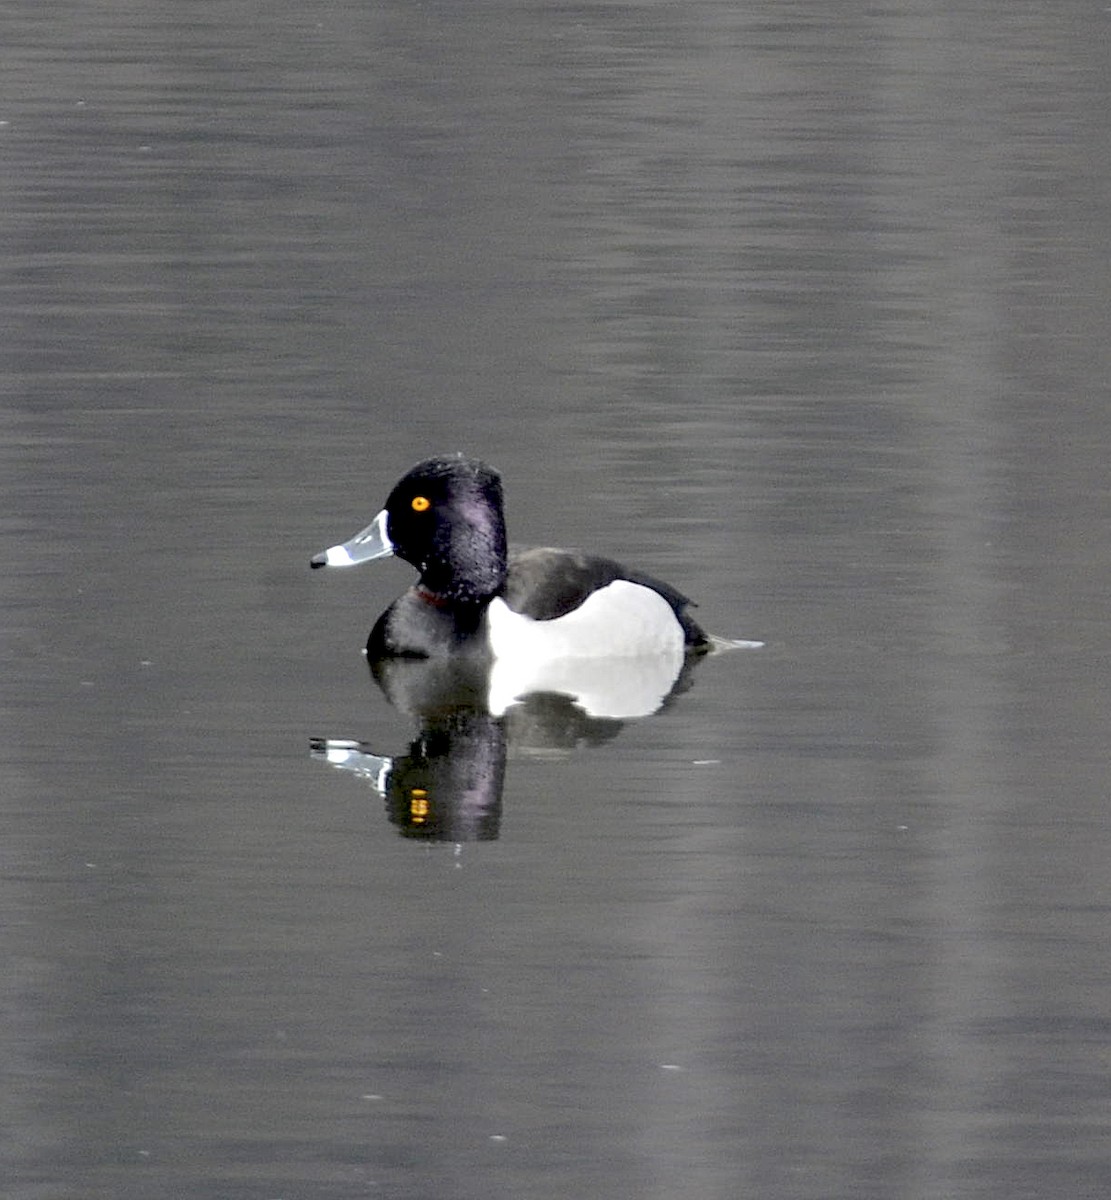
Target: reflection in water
(449,786)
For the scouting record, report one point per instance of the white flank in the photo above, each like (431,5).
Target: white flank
(618,654)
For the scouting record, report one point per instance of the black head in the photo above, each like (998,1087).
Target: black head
(446,518)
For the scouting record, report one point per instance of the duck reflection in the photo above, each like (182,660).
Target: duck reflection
(448,787)
(471,715)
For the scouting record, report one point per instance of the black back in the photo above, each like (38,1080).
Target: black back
(545,583)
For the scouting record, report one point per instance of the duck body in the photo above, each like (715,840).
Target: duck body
(446,518)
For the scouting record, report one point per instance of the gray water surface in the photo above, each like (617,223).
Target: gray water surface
(804,309)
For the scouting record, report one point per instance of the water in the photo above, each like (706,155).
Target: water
(806,313)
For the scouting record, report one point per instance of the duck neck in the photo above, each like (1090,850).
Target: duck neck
(470,568)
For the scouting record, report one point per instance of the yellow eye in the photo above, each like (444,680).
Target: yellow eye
(421,504)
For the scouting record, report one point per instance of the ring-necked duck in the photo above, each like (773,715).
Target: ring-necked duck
(445,517)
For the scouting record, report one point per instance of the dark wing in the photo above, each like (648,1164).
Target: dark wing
(545,583)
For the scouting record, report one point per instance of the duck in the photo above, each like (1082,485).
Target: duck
(475,596)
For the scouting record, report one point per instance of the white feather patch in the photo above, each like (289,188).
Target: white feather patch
(621,620)
(618,654)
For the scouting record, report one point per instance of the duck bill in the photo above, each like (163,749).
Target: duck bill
(370,543)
